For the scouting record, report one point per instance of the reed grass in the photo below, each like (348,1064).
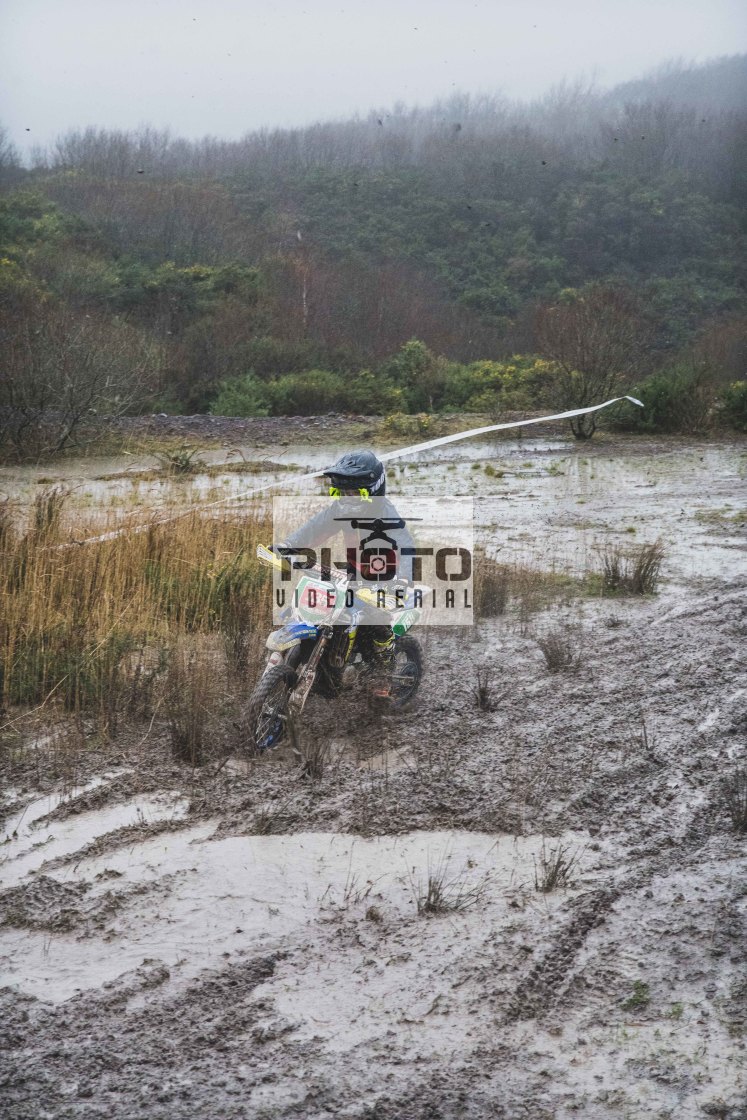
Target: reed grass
(79,621)
(519,589)
(47,510)
(492,586)
(195,690)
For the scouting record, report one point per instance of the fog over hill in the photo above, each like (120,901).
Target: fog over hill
(579,114)
(721,86)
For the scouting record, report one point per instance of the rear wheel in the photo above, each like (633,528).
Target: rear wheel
(268,707)
(406,672)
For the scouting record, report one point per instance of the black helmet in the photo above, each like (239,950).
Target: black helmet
(358,470)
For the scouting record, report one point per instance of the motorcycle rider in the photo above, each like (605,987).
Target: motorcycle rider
(355,479)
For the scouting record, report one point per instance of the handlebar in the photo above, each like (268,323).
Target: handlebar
(369,596)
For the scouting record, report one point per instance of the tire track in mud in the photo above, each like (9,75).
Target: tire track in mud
(540,988)
(186,1058)
(669,841)
(454,1096)
(119,838)
(194,1054)
(546,982)
(44,903)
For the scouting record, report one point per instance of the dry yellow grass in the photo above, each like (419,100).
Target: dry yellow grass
(79,621)
(519,589)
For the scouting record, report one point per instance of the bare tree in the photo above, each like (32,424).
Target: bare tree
(598,339)
(62,368)
(10,164)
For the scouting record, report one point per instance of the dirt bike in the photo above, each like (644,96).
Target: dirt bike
(322,647)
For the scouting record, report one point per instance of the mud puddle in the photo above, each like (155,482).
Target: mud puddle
(29,847)
(212,897)
(544,502)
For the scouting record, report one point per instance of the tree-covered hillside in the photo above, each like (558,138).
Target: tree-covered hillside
(288,271)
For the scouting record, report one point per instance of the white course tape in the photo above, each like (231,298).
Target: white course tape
(438,442)
(499,427)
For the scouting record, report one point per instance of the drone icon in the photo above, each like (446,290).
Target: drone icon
(379,528)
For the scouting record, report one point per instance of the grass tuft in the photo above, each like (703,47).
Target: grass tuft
(555,868)
(314,754)
(633,571)
(560,649)
(640,998)
(444,893)
(483,691)
(275,816)
(733,797)
(491,587)
(180,460)
(193,693)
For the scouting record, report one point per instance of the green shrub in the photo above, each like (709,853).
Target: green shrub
(319,390)
(421,375)
(400,424)
(273,357)
(372,393)
(498,387)
(734,401)
(306,394)
(241,396)
(679,399)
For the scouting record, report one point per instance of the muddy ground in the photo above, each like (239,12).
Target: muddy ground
(240,940)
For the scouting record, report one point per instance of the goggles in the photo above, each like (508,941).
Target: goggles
(337,492)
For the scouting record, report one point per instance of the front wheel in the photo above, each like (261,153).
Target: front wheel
(268,707)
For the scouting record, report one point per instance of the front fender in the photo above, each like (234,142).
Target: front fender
(291,635)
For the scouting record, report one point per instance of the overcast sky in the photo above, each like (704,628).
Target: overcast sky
(230,66)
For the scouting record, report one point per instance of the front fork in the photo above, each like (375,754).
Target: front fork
(307,676)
